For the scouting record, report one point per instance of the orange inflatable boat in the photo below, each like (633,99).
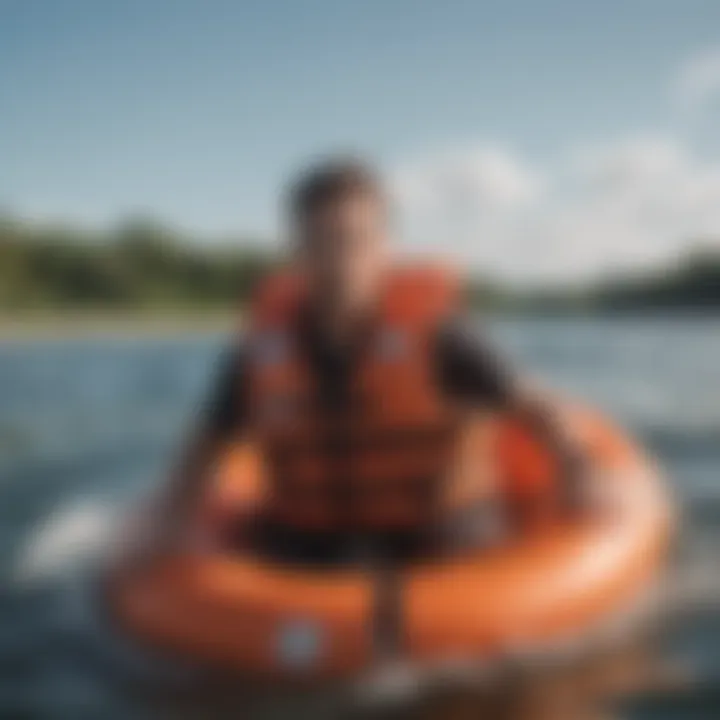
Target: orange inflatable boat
(541,589)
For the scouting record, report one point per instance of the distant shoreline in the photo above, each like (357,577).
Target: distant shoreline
(77,325)
(174,322)
(138,268)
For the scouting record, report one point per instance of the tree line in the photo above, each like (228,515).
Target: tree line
(140,263)
(691,282)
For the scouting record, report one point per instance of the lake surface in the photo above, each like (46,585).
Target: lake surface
(87,424)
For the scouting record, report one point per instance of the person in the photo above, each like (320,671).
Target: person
(369,392)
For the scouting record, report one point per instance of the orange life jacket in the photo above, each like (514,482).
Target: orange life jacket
(380,462)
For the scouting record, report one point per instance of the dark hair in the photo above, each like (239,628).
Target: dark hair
(332,180)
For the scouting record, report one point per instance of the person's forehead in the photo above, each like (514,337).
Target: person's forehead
(360,207)
(357,202)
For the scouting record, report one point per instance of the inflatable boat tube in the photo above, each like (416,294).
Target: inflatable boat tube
(539,590)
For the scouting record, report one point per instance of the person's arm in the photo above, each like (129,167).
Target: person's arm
(546,422)
(222,417)
(472,370)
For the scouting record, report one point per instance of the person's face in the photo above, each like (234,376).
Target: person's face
(342,248)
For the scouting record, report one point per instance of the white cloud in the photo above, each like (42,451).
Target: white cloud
(450,198)
(698,79)
(483,174)
(599,207)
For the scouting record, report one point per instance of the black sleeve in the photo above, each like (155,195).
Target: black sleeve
(469,368)
(226,409)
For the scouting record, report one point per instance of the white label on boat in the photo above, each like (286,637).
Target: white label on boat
(300,643)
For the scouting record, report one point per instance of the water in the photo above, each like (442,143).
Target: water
(87,424)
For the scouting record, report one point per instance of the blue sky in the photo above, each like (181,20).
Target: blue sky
(196,110)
